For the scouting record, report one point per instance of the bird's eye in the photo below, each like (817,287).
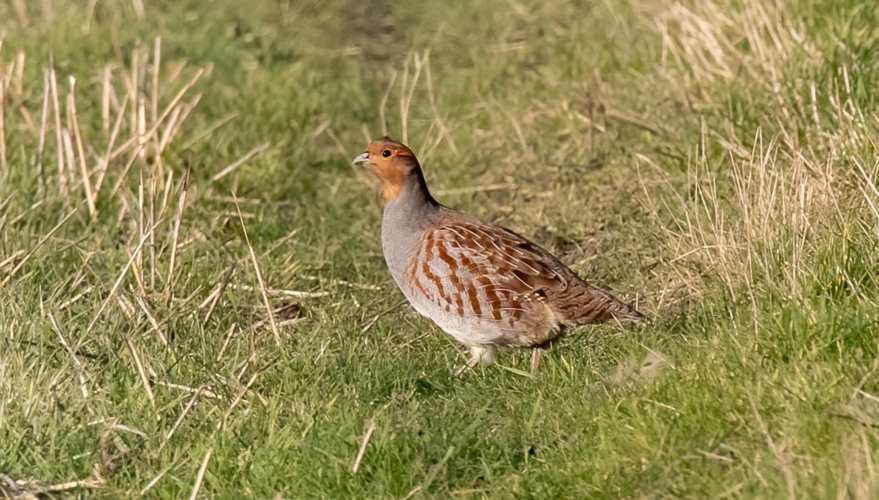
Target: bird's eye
(386,153)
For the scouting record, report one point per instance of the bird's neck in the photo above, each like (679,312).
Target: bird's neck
(409,193)
(406,219)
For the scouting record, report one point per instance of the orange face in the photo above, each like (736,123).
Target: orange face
(391,162)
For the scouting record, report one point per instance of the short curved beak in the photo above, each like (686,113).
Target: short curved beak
(362,160)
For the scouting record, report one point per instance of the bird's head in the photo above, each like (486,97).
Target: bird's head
(393,163)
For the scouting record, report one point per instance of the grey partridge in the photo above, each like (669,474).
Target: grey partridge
(484,285)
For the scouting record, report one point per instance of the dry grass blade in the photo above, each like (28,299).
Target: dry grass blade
(6,201)
(516,371)
(118,283)
(475,189)
(76,298)
(408,90)
(175,121)
(155,480)
(250,154)
(166,192)
(363,445)
(44,116)
(634,121)
(226,342)
(19,73)
(83,377)
(84,171)
(214,298)
(151,318)
(125,304)
(3,163)
(105,161)
(30,209)
(72,485)
(69,156)
(262,285)
(180,419)
(141,229)
(287,293)
(152,217)
(201,471)
(181,204)
(131,82)
(344,283)
(210,130)
(338,143)
(138,8)
(384,103)
(242,392)
(106,76)
(280,242)
(62,170)
(191,390)
(412,493)
(123,175)
(39,244)
(157,63)
(38,489)
(174,102)
(11,260)
(140,369)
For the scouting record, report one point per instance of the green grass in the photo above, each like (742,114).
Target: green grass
(713,162)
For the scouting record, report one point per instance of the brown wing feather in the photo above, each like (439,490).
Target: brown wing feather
(527,272)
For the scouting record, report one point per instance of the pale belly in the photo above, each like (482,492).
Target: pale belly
(470,330)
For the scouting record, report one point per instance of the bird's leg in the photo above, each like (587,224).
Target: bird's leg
(536,354)
(483,353)
(477,354)
(463,368)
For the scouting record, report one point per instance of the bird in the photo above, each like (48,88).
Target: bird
(485,285)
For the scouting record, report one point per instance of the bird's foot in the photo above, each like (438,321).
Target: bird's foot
(484,354)
(463,368)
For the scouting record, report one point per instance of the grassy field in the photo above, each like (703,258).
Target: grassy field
(193,299)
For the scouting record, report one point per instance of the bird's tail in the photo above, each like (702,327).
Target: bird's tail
(625,314)
(595,305)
